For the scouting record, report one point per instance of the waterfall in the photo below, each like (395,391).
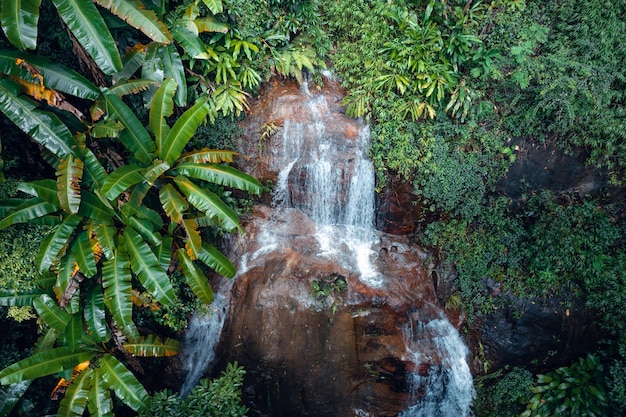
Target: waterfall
(448,387)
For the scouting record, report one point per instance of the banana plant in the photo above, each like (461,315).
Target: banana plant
(113,229)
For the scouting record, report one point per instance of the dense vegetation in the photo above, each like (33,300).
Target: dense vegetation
(449,87)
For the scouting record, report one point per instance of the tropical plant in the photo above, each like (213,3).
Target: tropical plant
(111,228)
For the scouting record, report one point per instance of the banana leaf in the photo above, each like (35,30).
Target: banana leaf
(134,13)
(161,108)
(45,189)
(69,177)
(19,22)
(116,280)
(134,136)
(195,278)
(173,203)
(94,172)
(173,68)
(208,156)
(164,252)
(45,128)
(106,233)
(145,264)
(144,229)
(55,76)
(193,243)
(19,298)
(53,245)
(143,213)
(100,404)
(82,248)
(153,172)
(192,44)
(93,207)
(122,179)
(43,363)
(94,314)
(221,174)
(126,387)
(153,346)
(216,260)
(215,6)
(51,313)
(74,331)
(74,401)
(208,203)
(89,28)
(182,131)
(29,210)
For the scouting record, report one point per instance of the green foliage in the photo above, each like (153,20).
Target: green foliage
(576,390)
(500,395)
(329,288)
(220,397)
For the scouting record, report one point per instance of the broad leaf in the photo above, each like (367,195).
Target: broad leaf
(121,180)
(45,128)
(89,28)
(161,108)
(51,313)
(19,22)
(143,213)
(210,24)
(74,401)
(216,260)
(192,44)
(173,68)
(136,15)
(83,251)
(215,6)
(106,233)
(106,129)
(126,387)
(29,210)
(43,363)
(195,278)
(143,228)
(193,242)
(100,404)
(54,244)
(164,252)
(173,203)
(94,314)
(221,174)
(132,60)
(153,172)
(11,395)
(44,189)
(182,131)
(55,76)
(205,155)
(69,177)
(19,298)
(208,203)
(134,136)
(116,280)
(153,346)
(74,331)
(153,70)
(93,207)
(146,265)
(94,172)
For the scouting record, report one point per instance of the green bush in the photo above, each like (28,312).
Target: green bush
(220,397)
(502,398)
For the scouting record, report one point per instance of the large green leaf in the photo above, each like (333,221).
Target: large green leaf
(51,313)
(133,60)
(19,298)
(45,189)
(29,210)
(100,404)
(215,6)
(192,44)
(74,401)
(173,203)
(164,252)
(208,156)
(153,346)
(161,108)
(134,136)
(136,15)
(45,128)
(69,177)
(121,180)
(126,387)
(82,248)
(11,395)
(152,69)
(55,76)
(43,363)
(88,26)
(106,233)
(216,260)
(146,265)
(116,280)
(208,203)
(221,174)
(173,68)
(153,172)
(93,207)
(182,131)
(19,22)
(74,331)
(143,228)
(193,242)
(143,213)
(196,280)
(95,173)
(94,314)
(54,244)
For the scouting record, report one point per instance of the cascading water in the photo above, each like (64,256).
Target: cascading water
(326,183)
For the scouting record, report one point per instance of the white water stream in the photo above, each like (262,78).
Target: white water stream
(332,182)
